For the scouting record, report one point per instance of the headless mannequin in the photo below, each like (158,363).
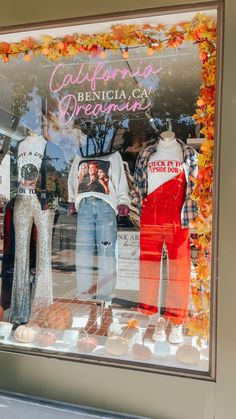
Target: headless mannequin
(166,162)
(161,225)
(27,210)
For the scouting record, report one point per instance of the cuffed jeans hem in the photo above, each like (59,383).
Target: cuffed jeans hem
(176,318)
(17,322)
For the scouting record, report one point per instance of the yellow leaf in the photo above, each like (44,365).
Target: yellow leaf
(72,50)
(47,39)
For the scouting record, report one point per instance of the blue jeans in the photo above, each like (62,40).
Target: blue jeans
(96,237)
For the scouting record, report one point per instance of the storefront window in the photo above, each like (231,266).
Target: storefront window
(107,135)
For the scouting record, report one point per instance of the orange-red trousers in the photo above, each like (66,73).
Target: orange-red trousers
(160,223)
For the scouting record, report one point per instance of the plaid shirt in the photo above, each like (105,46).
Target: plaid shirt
(140,184)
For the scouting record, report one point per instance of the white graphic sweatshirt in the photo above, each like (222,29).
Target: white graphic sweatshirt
(102,177)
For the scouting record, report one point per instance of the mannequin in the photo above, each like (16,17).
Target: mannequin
(167,136)
(163,183)
(30,208)
(99,190)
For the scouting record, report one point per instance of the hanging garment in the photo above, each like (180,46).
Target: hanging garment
(140,184)
(97,187)
(161,223)
(96,237)
(27,211)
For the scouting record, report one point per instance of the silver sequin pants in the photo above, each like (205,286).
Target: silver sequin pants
(27,210)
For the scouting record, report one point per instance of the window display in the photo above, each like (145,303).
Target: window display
(107,220)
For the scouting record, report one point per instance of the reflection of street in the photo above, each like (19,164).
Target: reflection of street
(64,238)
(63,257)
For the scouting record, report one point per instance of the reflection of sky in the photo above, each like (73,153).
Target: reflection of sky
(63,145)
(32,118)
(56,154)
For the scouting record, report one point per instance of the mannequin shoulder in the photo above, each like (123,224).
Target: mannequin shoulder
(191,151)
(76,160)
(188,150)
(44,140)
(116,157)
(147,151)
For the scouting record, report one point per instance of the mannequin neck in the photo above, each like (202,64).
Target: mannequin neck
(32,133)
(167,136)
(34,136)
(167,139)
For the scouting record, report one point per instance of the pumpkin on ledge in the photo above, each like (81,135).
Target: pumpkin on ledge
(116,345)
(26,334)
(46,339)
(86,344)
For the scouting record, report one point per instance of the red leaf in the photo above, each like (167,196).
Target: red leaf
(4,46)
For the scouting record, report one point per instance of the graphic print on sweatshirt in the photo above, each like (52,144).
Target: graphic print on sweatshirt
(93,176)
(161,170)
(29,161)
(28,166)
(165,166)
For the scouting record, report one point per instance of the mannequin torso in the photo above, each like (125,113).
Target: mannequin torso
(166,162)
(29,160)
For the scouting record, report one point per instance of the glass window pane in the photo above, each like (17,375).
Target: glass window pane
(106,182)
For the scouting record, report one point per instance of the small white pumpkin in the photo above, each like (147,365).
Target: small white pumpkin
(162,349)
(141,352)
(115,329)
(116,345)
(188,355)
(87,344)
(26,334)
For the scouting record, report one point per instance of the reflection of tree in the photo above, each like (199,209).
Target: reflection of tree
(57,186)
(177,92)
(100,135)
(21,85)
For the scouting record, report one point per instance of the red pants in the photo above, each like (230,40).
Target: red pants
(160,223)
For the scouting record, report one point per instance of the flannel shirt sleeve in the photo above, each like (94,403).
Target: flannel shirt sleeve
(136,190)
(190,209)
(193,171)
